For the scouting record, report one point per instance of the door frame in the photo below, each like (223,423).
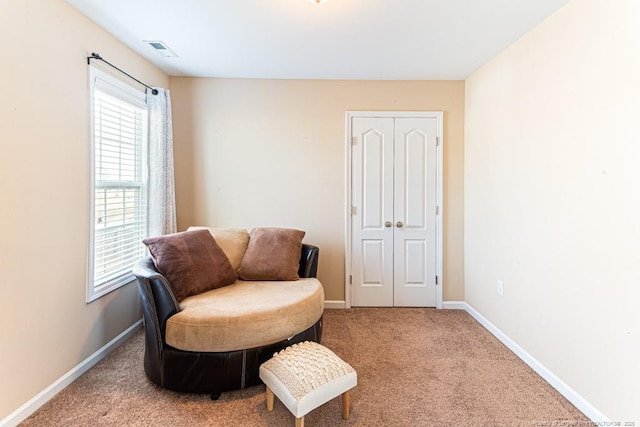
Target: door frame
(438,115)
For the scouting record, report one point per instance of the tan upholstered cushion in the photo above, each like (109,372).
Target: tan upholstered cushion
(272,254)
(245,315)
(233,242)
(191,261)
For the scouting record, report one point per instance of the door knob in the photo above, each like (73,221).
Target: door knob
(388,224)
(399,224)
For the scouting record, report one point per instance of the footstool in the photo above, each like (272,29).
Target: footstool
(305,376)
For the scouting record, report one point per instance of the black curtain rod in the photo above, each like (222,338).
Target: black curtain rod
(100,58)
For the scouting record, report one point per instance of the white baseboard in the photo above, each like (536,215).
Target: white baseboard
(454,305)
(335,304)
(23,412)
(447,305)
(570,394)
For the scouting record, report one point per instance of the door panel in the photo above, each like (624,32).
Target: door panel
(373,194)
(372,199)
(415,179)
(414,262)
(415,207)
(372,263)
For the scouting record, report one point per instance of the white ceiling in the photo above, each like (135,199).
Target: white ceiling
(340,39)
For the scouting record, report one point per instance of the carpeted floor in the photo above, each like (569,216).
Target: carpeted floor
(416,367)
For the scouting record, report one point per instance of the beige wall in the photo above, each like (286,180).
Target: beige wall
(46,327)
(552,205)
(272,153)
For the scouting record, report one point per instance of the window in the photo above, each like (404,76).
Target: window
(118,190)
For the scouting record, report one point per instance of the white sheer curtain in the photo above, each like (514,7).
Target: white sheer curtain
(162,198)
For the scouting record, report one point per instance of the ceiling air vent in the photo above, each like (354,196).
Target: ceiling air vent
(161,48)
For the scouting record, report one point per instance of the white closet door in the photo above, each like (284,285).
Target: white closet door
(372,196)
(415,168)
(393,221)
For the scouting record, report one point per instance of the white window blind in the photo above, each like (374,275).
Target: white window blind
(119,211)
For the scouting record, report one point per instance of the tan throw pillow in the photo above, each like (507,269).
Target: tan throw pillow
(272,254)
(233,241)
(191,261)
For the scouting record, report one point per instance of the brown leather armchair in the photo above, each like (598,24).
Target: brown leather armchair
(201,372)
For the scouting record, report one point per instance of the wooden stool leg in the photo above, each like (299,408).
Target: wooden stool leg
(346,397)
(300,422)
(269,399)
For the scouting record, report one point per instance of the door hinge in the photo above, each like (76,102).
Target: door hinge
(354,140)
(437,210)
(436,280)
(353,210)
(437,141)
(350,279)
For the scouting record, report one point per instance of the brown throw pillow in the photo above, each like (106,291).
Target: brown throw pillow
(191,261)
(272,254)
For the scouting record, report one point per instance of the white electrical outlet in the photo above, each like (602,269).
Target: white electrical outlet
(500,289)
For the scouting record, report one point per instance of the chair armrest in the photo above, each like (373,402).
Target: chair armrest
(156,292)
(308,261)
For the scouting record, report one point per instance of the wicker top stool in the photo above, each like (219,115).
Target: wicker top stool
(305,376)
